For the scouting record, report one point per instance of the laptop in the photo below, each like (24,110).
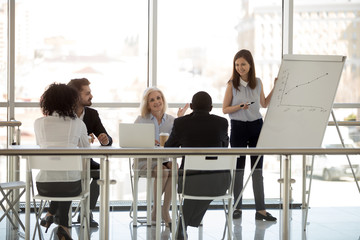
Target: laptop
(137,135)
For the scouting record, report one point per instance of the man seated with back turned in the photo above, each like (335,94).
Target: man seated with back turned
(200,129)
(95,129)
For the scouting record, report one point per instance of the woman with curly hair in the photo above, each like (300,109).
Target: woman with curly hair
(59,127)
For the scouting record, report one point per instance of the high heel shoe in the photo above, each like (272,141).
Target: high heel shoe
(62,234)
(47,221)
(166,219)
(268,217)
(237,214)
(168,225)
(153,220)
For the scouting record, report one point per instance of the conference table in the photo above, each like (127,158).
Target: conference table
(105,154)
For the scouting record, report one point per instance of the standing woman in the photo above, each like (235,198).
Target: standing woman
(59,127)
(243,97)
(153,107)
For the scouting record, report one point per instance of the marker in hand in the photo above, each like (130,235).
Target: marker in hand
(242,105)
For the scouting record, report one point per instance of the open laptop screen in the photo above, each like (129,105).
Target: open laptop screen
(137,135)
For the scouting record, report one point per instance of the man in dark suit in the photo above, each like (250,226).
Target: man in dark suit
(95,128)
(200,129)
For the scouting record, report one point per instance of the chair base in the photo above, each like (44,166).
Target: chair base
(8,191)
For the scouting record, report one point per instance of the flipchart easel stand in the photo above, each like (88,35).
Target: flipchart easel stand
(312,166)
(286,181)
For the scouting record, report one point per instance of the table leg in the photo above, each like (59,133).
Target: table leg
(27,206)
(158,198)
(104,198)
(135,191)
(173,197)
(148,192)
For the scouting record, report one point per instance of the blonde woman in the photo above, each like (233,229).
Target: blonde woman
(153,107)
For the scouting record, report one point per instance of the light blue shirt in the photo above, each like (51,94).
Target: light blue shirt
(246,94)
(165,126)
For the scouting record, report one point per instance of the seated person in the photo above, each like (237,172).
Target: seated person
(95,128)
(200,129)
(153,110)
(59,127)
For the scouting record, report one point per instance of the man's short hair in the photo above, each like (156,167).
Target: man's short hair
(78,83)
(201,101)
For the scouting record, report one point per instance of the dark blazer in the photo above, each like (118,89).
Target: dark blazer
(93,123)
(95,126)
(200,129)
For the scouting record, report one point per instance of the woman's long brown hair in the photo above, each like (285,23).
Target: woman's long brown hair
(246,54)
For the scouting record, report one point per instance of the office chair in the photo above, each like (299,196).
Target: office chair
(210,163)
(7,189)
(11,190)
(61,163)
(135,175)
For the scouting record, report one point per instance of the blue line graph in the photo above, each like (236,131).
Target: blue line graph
(305,84)
(298,92)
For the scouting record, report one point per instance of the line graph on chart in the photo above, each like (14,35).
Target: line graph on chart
(302,92)
(302,101)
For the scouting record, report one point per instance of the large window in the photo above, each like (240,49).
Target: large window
(331,28)
(197,41)
(104,41)
(107,42)
(3,51)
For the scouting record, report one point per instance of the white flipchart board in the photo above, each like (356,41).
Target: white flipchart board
(302,101)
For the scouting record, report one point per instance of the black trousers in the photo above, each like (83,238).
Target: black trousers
(201,183)
(94,187)
(59,189)
(246,134)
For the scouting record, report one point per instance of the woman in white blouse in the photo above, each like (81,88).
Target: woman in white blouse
(59,128)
